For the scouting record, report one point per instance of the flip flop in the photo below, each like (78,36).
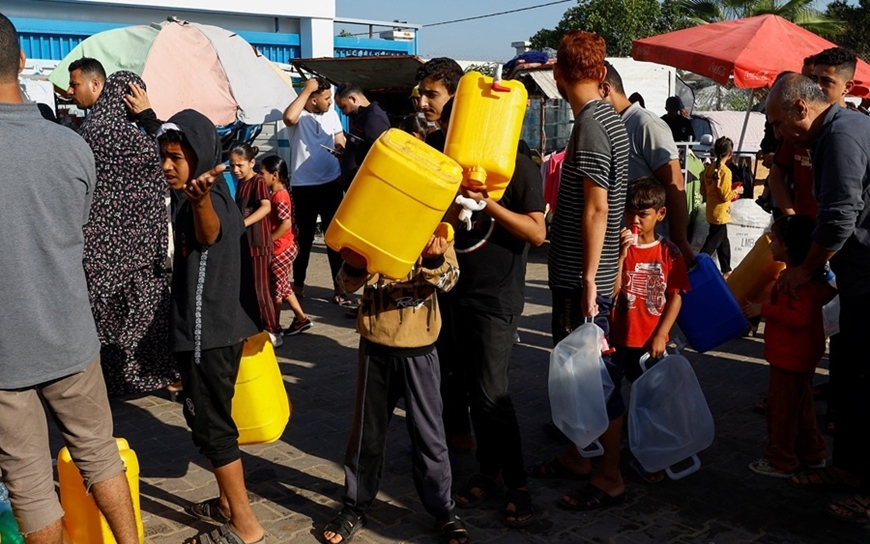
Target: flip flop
(852,510)
(826,479)
(591,497)
(225,535)
(554,469)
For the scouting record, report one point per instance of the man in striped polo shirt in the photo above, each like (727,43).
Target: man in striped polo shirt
(584,244)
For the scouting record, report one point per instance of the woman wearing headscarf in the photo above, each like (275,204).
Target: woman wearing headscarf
(126,242)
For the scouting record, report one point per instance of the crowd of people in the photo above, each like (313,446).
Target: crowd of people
(106,209)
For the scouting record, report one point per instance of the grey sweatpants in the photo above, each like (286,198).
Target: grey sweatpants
(381,381)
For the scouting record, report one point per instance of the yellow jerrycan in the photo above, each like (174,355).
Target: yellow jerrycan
(261,407)
(756,274)
(484,130)
(82,521)
(396,201)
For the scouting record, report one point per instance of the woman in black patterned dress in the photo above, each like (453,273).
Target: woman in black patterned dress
(126,242)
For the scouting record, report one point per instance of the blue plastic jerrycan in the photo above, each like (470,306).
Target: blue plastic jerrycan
(710,315)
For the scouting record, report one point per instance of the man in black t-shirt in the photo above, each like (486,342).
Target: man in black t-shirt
(367,122)
(437,81)
(681,127)
(484,309)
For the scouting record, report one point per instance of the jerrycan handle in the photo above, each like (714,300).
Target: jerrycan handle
(691,469)
(646,357)
(496,81)
(595,449)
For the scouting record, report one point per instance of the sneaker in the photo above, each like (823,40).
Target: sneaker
(276,339)
(298,326)
(762,466)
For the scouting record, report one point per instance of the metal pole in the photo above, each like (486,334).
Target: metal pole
(745,122)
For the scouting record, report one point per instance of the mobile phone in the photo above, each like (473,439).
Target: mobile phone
(331,150)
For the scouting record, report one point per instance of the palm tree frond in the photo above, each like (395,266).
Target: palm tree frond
(707,11)
(800,12)
(818,23)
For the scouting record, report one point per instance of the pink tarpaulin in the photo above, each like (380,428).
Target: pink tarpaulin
(199,82)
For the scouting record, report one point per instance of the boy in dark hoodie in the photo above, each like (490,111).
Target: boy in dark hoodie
(213,311)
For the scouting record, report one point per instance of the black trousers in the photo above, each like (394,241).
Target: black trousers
(850,386)
(309,202)
(381,381)
(483,357)
(208,401)
(717,240)
(454,394)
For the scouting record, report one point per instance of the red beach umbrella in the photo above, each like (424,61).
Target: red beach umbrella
(752,50)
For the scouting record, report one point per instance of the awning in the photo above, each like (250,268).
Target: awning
(543,79)
(380,73)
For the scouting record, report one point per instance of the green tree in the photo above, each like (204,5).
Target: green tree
(485,68)
(619,22)
(800,12)
(856,27)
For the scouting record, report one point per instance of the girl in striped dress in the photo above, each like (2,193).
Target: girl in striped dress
(274,171)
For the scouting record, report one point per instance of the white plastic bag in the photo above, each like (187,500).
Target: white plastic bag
(668,418)
(579,386)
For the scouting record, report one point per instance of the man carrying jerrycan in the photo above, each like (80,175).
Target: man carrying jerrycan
(47,349)
(585,247)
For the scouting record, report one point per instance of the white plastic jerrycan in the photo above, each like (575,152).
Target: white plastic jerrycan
(579,387)
(668,418)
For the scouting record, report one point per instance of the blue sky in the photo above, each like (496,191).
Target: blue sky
(484,39)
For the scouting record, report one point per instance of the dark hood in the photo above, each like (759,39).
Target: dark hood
(201,136)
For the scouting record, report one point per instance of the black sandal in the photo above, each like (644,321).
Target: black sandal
(208,510)
(488,489)
(554,469)
(452,531)
(590,497)
(522,501)
(345,524)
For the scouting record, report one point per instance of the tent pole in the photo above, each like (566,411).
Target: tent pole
(745,122)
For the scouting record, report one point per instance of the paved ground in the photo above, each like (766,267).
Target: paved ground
(295,483)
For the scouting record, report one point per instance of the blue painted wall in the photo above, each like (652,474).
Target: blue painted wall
(52,39)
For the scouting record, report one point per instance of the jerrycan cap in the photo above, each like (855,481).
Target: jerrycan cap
(475,174)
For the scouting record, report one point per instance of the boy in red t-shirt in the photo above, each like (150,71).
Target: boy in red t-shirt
(652,277)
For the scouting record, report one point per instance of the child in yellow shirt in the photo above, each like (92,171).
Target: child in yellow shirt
(717,187)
